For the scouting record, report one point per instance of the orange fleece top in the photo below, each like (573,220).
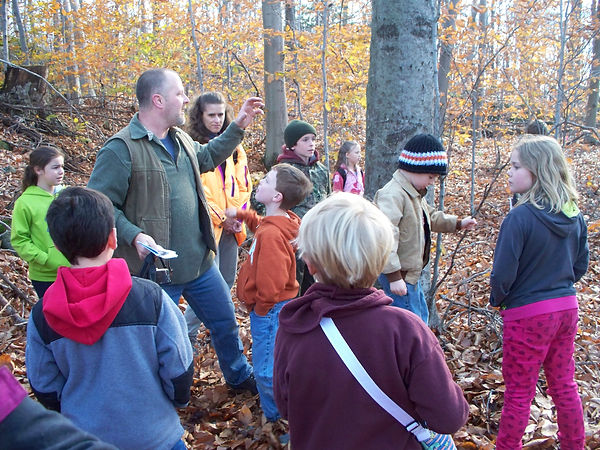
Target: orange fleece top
(268,276)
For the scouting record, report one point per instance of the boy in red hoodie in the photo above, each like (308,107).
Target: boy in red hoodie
(267,279)
(109,351)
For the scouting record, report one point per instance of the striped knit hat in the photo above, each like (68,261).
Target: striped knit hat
(424,153)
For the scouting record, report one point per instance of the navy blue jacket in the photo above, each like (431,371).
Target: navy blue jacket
(538,256)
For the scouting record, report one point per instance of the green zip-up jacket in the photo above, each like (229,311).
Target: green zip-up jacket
(29,234)
(160,196)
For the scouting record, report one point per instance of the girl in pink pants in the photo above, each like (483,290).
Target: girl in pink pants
(541,252)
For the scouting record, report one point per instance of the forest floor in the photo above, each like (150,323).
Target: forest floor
(471,337)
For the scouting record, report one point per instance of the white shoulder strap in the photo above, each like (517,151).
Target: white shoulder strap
(381,398)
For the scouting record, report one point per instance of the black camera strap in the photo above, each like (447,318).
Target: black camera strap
(149,267)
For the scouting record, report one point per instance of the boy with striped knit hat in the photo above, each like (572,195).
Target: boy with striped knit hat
(421,163)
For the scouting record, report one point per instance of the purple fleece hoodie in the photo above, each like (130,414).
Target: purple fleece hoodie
(325,405)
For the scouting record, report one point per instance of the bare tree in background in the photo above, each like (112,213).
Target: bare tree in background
(21,30)
(591,109)
(275,101)
(73,80)
(80,43)
(199,72)
(324,81)
(445,60)
(4,25)
(292,45)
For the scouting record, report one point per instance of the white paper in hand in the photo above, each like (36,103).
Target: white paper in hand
(161,253)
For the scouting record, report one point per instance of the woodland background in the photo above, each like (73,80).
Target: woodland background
(500,64)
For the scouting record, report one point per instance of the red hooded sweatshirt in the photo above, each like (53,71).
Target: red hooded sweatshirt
(82,302)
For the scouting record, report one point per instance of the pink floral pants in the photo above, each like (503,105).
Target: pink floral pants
(543,340)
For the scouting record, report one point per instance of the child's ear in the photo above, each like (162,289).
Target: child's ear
(278,197)
(112,239)
(312,269)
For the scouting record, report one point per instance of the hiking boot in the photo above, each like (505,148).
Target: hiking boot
(249,384)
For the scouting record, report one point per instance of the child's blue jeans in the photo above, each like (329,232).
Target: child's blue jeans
(414,300)
(263,330)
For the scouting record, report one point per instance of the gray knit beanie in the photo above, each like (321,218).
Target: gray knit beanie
(295,130)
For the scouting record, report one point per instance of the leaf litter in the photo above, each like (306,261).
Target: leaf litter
(216,418)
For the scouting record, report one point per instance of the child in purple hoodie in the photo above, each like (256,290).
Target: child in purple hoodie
(109,351)
(325,405)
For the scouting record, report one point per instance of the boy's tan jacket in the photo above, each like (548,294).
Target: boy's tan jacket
(405,207)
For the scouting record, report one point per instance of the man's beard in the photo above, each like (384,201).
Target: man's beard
(180,120)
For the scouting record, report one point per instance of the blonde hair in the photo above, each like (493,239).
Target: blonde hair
(553,185)
(347,239)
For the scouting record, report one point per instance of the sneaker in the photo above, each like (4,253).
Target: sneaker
(284,439)
(249,384)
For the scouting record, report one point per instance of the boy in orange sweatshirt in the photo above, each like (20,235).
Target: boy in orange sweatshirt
(267,279)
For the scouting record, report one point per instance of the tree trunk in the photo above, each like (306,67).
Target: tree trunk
(146,12)
(27,88)
(344,14)
(560,73)
(4,26)
(291,44)
(73,81)
(80,43)
(445,59)
(480,17)
(199,72)
(401,92)
(275,102)
(324,80)
(56,38)
(591,108)
(401,87)
(21,28)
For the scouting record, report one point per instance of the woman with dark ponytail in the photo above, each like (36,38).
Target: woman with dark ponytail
(29,234)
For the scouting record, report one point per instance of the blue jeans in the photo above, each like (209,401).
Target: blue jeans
(226,260)
(264,329)
(179,446)
(210,299)
(414,300)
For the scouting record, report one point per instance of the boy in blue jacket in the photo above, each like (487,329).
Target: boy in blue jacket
(107,350)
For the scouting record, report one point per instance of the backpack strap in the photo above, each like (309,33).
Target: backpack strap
(342,173)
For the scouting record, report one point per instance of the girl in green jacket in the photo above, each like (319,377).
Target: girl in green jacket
(29,234)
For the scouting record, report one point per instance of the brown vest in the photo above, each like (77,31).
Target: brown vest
(147,203)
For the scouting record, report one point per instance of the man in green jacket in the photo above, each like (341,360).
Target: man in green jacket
(150,170)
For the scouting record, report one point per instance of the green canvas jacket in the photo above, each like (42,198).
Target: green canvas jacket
(161,197)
